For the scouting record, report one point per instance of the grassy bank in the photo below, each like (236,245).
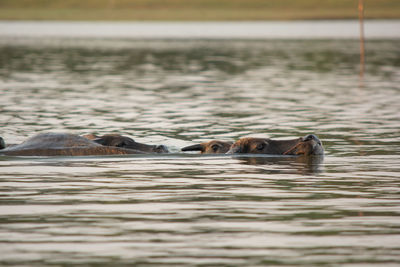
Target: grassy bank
(194,9)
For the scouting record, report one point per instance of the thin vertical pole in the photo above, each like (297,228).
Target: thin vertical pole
(362,47)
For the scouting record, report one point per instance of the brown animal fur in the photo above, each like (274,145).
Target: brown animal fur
(62,144)
(211,147)
(307,145)
(72,151)
(117,140)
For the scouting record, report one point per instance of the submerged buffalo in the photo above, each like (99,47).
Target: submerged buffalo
(211,147)
(117,140)
(64,144)
(308,145)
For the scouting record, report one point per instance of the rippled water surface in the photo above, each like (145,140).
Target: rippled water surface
(188,209)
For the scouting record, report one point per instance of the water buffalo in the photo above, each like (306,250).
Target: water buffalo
(211,147)
(308,145)
(117,140)
(64,144)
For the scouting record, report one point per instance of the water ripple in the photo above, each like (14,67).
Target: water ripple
(188,209)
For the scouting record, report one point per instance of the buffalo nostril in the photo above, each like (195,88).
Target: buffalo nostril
(310,137)
(162,149)
(233,150)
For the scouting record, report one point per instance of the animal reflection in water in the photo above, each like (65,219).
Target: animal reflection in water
(284,164)
(64,144)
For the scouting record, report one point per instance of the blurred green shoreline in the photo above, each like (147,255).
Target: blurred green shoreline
(194,10)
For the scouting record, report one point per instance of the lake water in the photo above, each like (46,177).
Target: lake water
(184,209)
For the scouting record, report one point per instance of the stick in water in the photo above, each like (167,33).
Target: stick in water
(362,48)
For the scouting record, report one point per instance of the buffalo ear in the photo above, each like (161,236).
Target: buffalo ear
(197,147)
(90,136)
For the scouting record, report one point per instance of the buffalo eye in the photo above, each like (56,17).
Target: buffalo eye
(125,142)
(121,144)
(214,148)
(260,146)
